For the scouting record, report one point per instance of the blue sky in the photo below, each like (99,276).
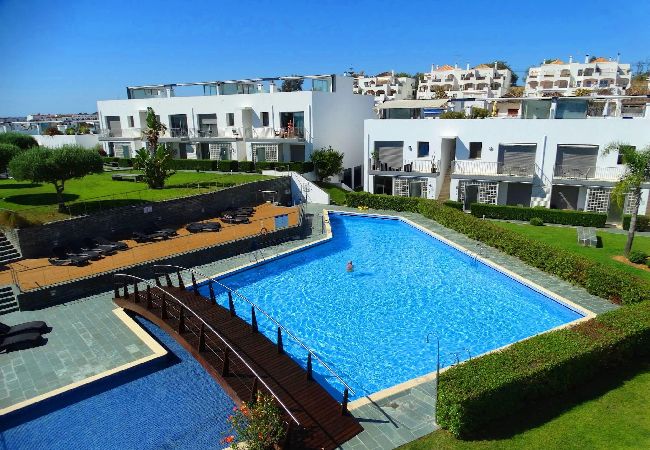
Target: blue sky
(64,56)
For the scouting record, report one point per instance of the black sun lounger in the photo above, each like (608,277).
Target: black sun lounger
(37,326)
(197,227)
(75,260)
(117,245)
(139,236)
(235,219)
(23,340)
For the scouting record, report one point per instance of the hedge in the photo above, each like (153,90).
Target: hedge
(511,381)
(453,204)
(224,165)
(603,281)
(642,223)
(575,218)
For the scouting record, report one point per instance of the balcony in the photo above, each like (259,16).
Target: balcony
(263,133)
(419,167)
(120,134)
(493,169)
(613,174)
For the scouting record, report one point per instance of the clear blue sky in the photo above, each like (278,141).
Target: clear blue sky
(64,56)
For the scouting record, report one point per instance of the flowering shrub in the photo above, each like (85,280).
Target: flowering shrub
(259,425)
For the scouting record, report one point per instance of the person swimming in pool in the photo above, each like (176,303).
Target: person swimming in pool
(349,267)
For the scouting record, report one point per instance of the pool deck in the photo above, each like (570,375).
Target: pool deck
(88,338)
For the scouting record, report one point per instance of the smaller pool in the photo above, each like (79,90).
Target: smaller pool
(168,404)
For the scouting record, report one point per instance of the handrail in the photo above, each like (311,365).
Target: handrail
(148,283)
(268,316)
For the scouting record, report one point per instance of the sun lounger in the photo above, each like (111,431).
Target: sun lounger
(197,227)
(139,236)
(37,326)
(20,341)
(117,245)
(155,228)
(77,260)
(235,219)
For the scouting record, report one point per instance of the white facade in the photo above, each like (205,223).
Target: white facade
(261,125)
(565,78)
(385,87)
(482,81)
(538,162)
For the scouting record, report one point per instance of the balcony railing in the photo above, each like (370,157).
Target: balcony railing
(177,133)
(131,133)
(471,167)
(589,173)
(423,166)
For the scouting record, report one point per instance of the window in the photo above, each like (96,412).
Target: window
(230,119)
(423,149)
(265,119)
(130,120)
(475,150)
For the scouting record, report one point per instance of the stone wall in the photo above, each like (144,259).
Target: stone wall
(120,223)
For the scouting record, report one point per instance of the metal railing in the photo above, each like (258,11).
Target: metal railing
(207,326)
(254,307)
(589,173)
(120,132)
(408,166)
(472,167)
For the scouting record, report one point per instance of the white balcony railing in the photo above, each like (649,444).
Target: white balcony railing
(471,167)
(131,133)
(589,173)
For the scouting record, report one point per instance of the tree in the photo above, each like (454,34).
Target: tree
(403,75)
(479,113)
(52,131)
(24,141)
(291,85)
(439,92)
(56,166)
(638,171)
(502,65)
(582,92)
(155,167)
(154,130)
(327,162)
(7,153)
(515,92)
(453,115)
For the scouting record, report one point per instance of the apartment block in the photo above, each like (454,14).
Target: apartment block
(385,87)
(482,81)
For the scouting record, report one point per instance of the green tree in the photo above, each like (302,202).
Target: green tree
(291,85)
(52,131)
(453,115)
(21,140)
(439,91)
(515,92)
(155,167)
(479,113)
(638,171)
(327,162)
(502,65)
(56,166)
(7,153)
(154,130)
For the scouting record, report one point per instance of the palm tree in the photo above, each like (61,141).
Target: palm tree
(154,130)
(638,171)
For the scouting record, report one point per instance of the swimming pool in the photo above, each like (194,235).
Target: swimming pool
(173,403)
(371,325)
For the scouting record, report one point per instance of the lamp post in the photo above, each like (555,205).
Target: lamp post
(437,368)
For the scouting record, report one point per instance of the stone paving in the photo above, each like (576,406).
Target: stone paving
(87,338)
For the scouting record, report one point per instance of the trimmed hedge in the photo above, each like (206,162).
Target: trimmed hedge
(575,218)
(224,166)
(642,223)
(453,204)
(508,382)
(603,281)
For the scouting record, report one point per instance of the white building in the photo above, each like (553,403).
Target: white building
(482,81)
(245,120)
(564,78)
(385,87)
(555,162)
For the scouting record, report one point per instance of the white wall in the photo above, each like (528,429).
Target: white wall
(85,140)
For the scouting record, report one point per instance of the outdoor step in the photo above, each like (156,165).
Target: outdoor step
(9,310)
(7,301)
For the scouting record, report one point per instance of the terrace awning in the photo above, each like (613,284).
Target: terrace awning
(413,104)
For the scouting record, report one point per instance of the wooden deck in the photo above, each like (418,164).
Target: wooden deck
(322,423)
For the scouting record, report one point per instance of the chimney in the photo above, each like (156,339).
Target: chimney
(456,66)
(467,66)
(260,87)
(272,87)
(433,67)
(495,65)
(570,59)
(436,66)
(587,58)
(392,73)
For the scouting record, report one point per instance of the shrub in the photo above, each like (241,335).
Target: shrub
(508,382)
(246,166)
(7,152)
(536,221)
(638,257)
(453,115)
(479,113)
(12,219)
(228,166)
(21,140)
(259,425)
(602,281)
(642,223)
(453,204)
(575,218)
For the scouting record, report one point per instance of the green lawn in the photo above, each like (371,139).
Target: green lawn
(37,202)
(607,419)
(566,238)
(337,195)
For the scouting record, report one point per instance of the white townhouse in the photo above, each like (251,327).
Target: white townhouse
(556,161)
(245,120)
(385,87)
(598,75)
(482,81)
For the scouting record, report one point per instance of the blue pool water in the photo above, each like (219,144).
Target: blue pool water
(371,325)
(169,404)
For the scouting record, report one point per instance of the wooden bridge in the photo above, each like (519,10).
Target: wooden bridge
(241,358)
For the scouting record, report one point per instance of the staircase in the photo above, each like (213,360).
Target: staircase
(541,190)
(8,252)
(446,183)
(8,301)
